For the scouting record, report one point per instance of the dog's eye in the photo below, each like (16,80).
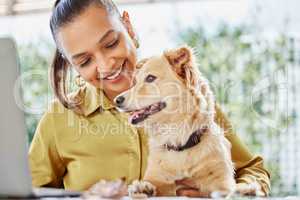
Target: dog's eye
(150,78)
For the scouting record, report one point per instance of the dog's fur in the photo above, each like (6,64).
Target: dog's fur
(207,166)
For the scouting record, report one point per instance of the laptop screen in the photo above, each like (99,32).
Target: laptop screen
(14,170)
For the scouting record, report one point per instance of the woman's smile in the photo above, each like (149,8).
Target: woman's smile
(114,75)
(117,76)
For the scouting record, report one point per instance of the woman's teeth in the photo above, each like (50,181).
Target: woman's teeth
(116,74)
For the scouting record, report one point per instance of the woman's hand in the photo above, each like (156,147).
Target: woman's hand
(249,189)
(186,189)
(243,189)
(188,192)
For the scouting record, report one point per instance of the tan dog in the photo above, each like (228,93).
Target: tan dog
(173,102)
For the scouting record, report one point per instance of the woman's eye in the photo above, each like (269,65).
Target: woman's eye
(113,44)
(150,78)
(85,63)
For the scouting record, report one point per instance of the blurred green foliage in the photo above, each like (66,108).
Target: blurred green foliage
(35,59)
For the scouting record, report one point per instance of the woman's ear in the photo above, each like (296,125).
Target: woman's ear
(128,25)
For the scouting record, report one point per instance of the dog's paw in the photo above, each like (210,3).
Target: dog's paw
(253,189)
(141,189)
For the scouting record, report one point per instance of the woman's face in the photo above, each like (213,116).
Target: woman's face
(101,49)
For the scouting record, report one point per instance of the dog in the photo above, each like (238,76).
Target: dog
(173,102)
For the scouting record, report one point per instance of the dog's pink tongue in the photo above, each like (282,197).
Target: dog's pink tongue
(136,114)
(131,118)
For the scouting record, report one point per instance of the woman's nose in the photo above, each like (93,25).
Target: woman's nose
(104,65)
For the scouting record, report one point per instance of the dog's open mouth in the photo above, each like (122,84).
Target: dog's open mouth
(140,115)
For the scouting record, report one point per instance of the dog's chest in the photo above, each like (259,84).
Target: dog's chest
(181,164)
(177,164)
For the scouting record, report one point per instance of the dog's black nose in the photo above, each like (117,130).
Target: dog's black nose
(120,100)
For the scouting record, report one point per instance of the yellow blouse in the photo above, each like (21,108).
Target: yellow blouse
(75,151)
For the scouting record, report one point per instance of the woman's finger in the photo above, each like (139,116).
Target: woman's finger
(185,182)
(190,193)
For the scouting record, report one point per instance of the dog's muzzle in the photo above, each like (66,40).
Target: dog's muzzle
(139,115)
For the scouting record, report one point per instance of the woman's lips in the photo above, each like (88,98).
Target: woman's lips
(116,75)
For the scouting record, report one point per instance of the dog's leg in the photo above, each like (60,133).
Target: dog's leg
(219,185)
(164,188)
(162,179)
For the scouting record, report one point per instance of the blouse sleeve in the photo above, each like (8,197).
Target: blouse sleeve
(249,168)
(46,166)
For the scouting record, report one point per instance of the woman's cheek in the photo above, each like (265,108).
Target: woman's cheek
(89,76)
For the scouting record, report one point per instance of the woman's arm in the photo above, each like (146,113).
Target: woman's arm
(45,164)
(249,167)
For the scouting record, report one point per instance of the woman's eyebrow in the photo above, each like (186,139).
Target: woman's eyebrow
(101,40)
(106,35)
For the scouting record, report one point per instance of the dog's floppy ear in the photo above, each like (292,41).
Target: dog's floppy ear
(182,62)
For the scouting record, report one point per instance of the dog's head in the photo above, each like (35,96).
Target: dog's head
(165,86)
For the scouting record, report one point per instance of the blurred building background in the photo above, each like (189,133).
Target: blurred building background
(248,49)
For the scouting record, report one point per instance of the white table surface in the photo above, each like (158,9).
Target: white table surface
(187,198)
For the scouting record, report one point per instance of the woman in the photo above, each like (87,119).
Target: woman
(82,137)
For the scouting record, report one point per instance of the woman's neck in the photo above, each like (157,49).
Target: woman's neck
(111,95)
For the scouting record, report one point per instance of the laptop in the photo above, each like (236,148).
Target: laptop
(15,178)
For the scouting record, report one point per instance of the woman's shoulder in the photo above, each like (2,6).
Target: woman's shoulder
(57,108)
(55,113)
(56,117)
(222,120)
